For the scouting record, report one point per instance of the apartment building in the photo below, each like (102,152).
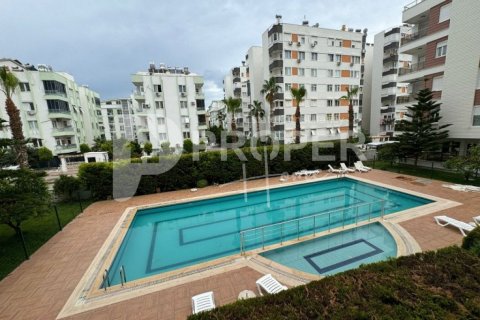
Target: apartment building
(445,45)
(245,82)
(118,119)
(56,112)
(216,114)
(326,62)
(169,106)
(386,92)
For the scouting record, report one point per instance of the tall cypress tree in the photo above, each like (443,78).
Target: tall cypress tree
(421,131)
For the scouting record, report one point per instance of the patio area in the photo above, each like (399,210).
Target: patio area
(40,287)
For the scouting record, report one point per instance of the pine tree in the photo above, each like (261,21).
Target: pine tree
(421,131)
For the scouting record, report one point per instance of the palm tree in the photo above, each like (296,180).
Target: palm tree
(351,93)
(233,106)
(257,111)
(269,89)
(298,95)
(8,83)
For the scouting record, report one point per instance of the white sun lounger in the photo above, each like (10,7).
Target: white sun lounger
(364,167)
(345,168)
(203,302)
(359,168)
(269,284)
(462,226)
(333,170)
(306,172)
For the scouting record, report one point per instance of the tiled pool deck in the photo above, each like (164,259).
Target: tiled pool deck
(40,287)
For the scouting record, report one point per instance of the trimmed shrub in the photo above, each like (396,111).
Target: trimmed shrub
(202,183)
(97,177)
(472,241)
(84,148)
(66,186)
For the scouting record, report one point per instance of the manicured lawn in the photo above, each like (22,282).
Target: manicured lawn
(433,285)
(423,172)
(36,231)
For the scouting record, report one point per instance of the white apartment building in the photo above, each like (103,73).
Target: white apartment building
(386,92)
(169,106)
(216,114)
(445,47)
(324,61)
(118,119)
(56,112)
(245,82)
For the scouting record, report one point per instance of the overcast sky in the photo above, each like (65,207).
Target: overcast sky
(102,42)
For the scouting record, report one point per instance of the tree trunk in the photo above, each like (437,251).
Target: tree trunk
(258,126)
(297,124)
(234,128)
(350,121)
(17,133)
(271,119)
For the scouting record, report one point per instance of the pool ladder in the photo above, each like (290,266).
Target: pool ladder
(123,275)
(106,278)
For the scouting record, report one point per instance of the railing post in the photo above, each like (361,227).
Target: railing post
(58,218)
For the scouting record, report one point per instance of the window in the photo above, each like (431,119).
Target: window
(313,103)
(445,12)
(119,112)
(441,49)
(314,56)
(157,88)
(120,120)
(53,87)
(186,135)
(337,88)
(330,42)
(161,121)
(302,118)
(313,132)
(313,117)
(338,58)
(337,73)
(288,54)
(301,72)
(329,103)
(159,104)
(162,136)
(476,116)
(329,117)
(58,106)
(314,88)
(301,85)
(33,125)
(301,55)
(288,71)
(288,87)
(24,86)
(183,104)
(302,39)
(288,118)
(122,128)
(331,57)
(336,116)
(313,72)
(437,83)
(337,103)
(182,88)
(329,87)
(330,73)
(356,59)
(339,43)
(356,74)
(29,106)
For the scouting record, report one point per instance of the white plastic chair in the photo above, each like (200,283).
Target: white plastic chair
(462,226)
(345,168)
(364,167)
(333,170)
(203,302)
(359,168)
(269,284)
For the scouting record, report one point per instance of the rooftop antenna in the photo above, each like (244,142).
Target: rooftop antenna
(279,18)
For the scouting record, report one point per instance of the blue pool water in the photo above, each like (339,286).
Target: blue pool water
(337,252)
(171,237)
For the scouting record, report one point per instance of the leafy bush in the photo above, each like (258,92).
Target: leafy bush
(186,172)
(84,148)
(147,147)
(472,241)
(187,146)
(202,183)
(66,186)
(432,285)
(44,154)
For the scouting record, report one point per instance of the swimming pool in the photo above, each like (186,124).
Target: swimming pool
(171,237)
(337,252)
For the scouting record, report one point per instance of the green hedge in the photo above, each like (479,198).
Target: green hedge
(187,173)
(472,241)
(434,285)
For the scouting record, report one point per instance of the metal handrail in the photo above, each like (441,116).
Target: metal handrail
(412,4)
(123,276)
(299,220)
(106,280)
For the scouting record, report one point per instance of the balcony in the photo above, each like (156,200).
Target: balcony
(276,64)
(56,93)
(414,36)
(66,148)
(389,72)
(64,131)
(60,113)
(202,125)
(137,95)
(416,8)
(387,109)
(142,128)
(276,47)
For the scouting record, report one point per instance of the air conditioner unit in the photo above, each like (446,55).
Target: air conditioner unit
(158,94)
(290,43)
(146,106)
(351,64)
(298,44)
(338,63)
(299,60)
(31,112)
(184,94)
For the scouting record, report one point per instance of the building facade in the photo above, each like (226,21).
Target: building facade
(388,95)
(216,114)
(444,45)
(56,112)
(169,106)
(119,119)
(326,62)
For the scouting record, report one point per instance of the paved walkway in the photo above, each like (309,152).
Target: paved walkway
(39,288)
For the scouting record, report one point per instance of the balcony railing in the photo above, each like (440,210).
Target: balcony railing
(56,92)
(413,68)
(66,111)
(414,36)
(63,129)
(66,146)
(412,4)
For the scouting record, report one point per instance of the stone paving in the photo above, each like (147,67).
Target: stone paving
(39,287)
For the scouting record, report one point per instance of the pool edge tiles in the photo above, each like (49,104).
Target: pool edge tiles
(87,296)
